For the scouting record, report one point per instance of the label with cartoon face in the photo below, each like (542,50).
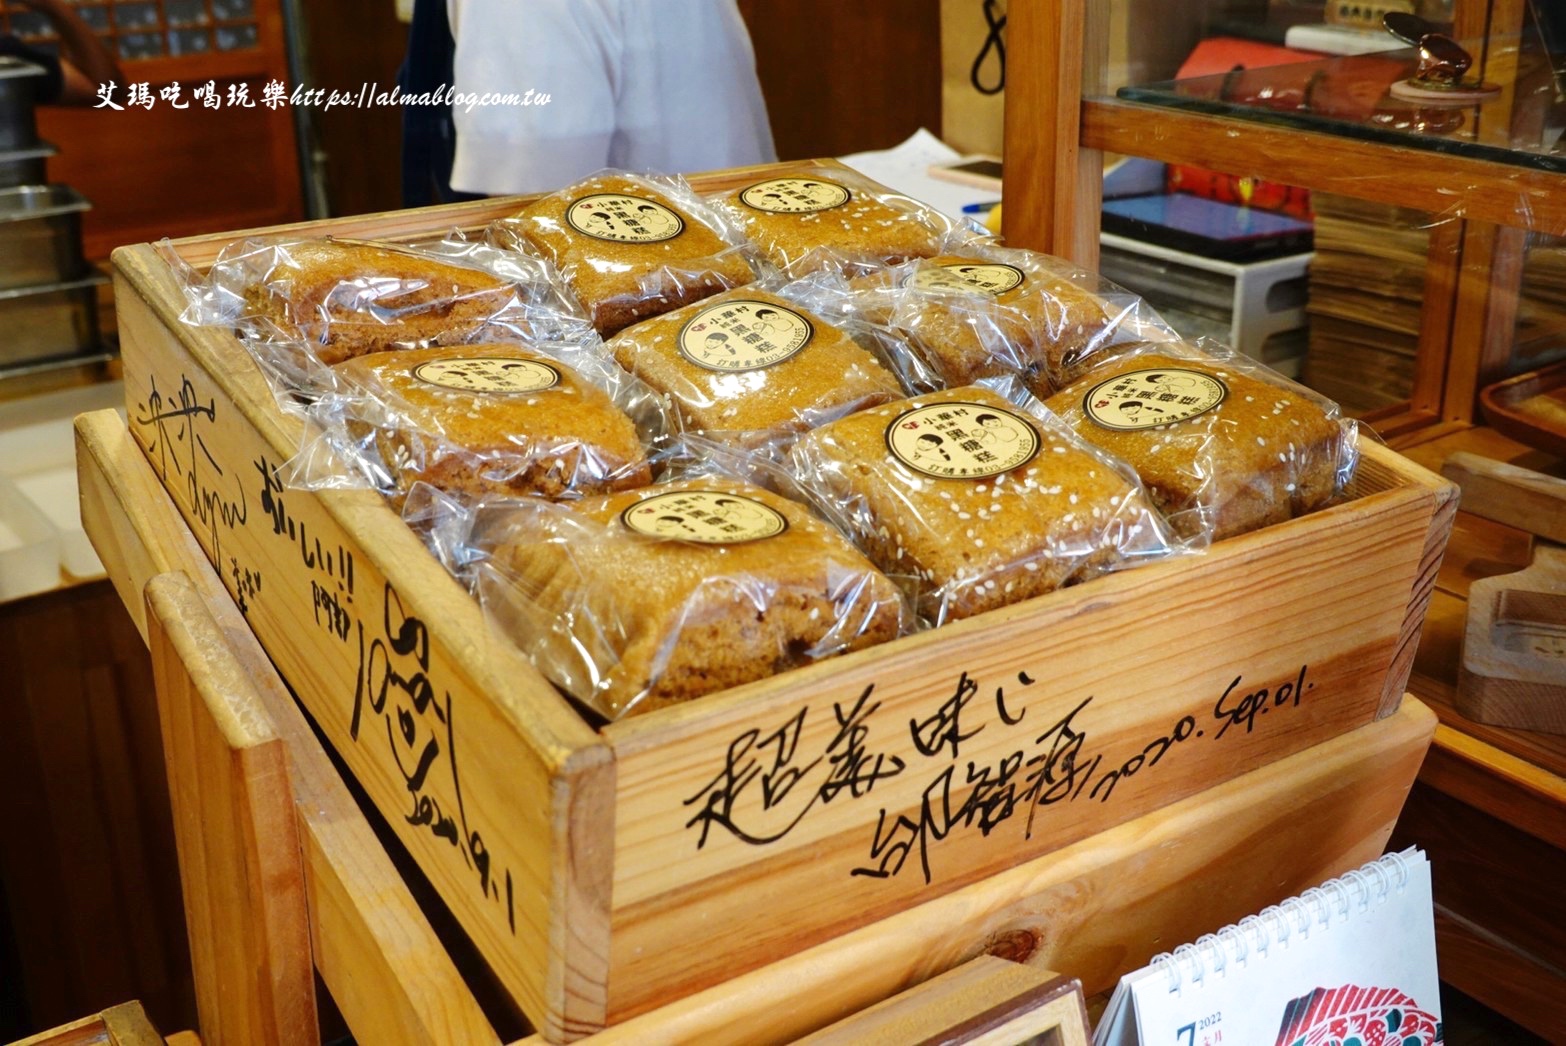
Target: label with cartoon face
(623,218)
(795,195)
(705,517)
(488,374)
(1143,399)
(743,335)
(968,277)
(961,440)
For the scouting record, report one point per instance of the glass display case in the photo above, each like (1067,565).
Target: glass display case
(1438,215)
(1435,297)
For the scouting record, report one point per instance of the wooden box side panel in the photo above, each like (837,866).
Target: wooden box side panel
(473,759)
(1380,469)
(1100,907)
(373,947)
(837,795)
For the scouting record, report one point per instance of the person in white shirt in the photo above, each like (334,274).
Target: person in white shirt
(643,85)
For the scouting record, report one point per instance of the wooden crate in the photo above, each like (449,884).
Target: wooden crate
(1098,908)
(605,872)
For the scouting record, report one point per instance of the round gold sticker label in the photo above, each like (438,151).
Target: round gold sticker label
(968,277)
(488,374)
(795,195)
(743,335)
(1143,399)
(706,517)
(961,440)
(623,219)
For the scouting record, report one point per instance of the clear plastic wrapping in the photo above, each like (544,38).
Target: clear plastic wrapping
(976,497)
(487,419)
(339,299)
(819,218)
(748,366)
(631,246)
(644,599)
(988,311)
(1223,444)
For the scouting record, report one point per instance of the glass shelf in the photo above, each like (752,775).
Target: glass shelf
(1350,97)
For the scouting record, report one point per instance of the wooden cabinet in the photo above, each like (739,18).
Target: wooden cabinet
(1485,184)
(167,171)
(1492,804)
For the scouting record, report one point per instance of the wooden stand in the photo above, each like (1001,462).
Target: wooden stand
(235,826)
(573,857)
(1514,651)
(122,1025)
(1097,908)
(1513,670)
(986,1000)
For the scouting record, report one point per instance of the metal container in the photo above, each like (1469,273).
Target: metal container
(48,322)
(41,235)
(18,82)
(26,166)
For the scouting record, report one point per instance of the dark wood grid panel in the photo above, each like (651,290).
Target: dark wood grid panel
(138,30)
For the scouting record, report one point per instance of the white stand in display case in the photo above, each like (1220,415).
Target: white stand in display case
(1257,302)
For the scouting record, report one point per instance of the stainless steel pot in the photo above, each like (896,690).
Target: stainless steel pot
(40,235)
(48,322)
(18,82)
(25,166)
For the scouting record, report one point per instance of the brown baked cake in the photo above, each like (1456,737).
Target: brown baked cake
(752,362)
(628,250)
(976,316)
(1220,452)
(974,502)
(663,594)
(493,419)
(347,298)
(812,219)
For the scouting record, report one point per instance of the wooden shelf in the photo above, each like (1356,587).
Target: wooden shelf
(1504,757)
(1502,194)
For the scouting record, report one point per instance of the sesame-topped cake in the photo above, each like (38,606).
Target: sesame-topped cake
(346,298)
(753,363)
(806,220)
(491,419)
(1220,450)
(629,248)
(973,502)
(991,311)
(639,600)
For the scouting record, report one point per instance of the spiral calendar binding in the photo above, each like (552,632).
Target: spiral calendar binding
(1351,958)
(1314,911)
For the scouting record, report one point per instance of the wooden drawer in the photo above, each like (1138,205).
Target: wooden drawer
(602,873)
